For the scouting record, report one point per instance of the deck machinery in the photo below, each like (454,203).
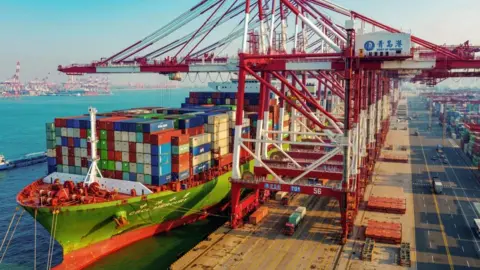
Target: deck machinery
(342,127)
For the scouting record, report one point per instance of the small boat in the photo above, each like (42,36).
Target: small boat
(23,161)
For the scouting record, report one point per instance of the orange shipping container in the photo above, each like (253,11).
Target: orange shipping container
(258,215)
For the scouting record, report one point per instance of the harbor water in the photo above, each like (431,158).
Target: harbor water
(22,131)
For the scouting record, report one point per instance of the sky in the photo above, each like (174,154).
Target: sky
(43,34)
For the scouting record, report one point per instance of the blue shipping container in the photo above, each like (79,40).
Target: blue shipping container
(51,161)
(161,159)
(162,169)
(154,126)
(76,142)
(201,167)
(200,149)
(181,175)
(52,169)
(157,150)
(132,177)
(64,141)
(160,180)
(191,122)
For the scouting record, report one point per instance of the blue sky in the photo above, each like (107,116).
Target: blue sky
(44,33)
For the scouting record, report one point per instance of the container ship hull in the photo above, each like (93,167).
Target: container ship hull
(89,232)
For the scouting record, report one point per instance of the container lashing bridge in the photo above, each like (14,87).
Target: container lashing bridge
(335,135)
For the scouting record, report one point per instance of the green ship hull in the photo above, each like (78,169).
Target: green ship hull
(81,226)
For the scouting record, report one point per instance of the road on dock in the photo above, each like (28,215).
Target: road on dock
(444,235)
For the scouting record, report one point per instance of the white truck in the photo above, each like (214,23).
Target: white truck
(437,185)
(476,221)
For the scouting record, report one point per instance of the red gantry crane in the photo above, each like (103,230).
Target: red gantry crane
(335,134)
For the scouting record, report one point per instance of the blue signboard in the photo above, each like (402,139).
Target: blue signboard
(272,186)
(295,189)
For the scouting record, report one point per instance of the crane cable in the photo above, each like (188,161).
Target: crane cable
(11,235)
(9,226)
(52,237)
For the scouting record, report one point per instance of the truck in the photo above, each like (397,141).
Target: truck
(476,221)
(437,185)
(294,220)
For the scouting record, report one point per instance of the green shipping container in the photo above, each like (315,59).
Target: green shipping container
(294,218)
(104,155)
(78,170)
(103,135)
(111,165)
(89,133)
(150,116)
(182,149)
(51,136)
(147,179)
(71,169)
(103,164)
(126,176)
(139,128)
(50,144)
(103,145)
(125,167)
(50,127)
(58,132)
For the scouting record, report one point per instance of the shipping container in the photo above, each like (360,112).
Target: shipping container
(200,139)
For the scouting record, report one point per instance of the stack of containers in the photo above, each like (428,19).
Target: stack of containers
(161,155)
(217,126)
(51,143)
(180,157)
(200,146)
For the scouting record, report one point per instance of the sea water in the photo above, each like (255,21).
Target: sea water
(22,131)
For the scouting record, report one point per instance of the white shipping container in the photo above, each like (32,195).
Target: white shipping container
(141,178)
(65,160)
(219,144)
(214,128)
(76,152)
(139,157)
(220,135)
(381,43)
(218,118)
(66,169)
(51,153)
(117,135)
(125,156)
(201,158)
(132,137)
(70,132)
(118,165)
(223,150)
(76,133)
(302,210)
(139,147)
(58,141)
(147,159)
(124,136)
(64,151)
(133,167)
(63,132)
(78,162)
(232,115)
(200,139)
(124,147)
(84,171)
(147,148)
(83,152)
(147,169)
(117,146)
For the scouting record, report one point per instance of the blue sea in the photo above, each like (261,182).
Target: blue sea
(22,131)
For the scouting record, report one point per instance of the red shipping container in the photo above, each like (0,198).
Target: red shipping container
(110,135)
(118,156)
(132,157)
(84,162)
(71,143)
(83,133)
(118,175)
(110,145)
(71,161)
(163,136)
(194,131)
(60,122)
(180,140)
(59,159)
(176,168)
(224,160)
(107,123)
(132,147)
(58,151)
(146,137)
(89,151)
(71,151)
(111,155)
(181,159)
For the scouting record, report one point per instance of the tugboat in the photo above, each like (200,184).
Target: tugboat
(24,161)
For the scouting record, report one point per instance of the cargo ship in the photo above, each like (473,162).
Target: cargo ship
(24,161)
(158,168)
